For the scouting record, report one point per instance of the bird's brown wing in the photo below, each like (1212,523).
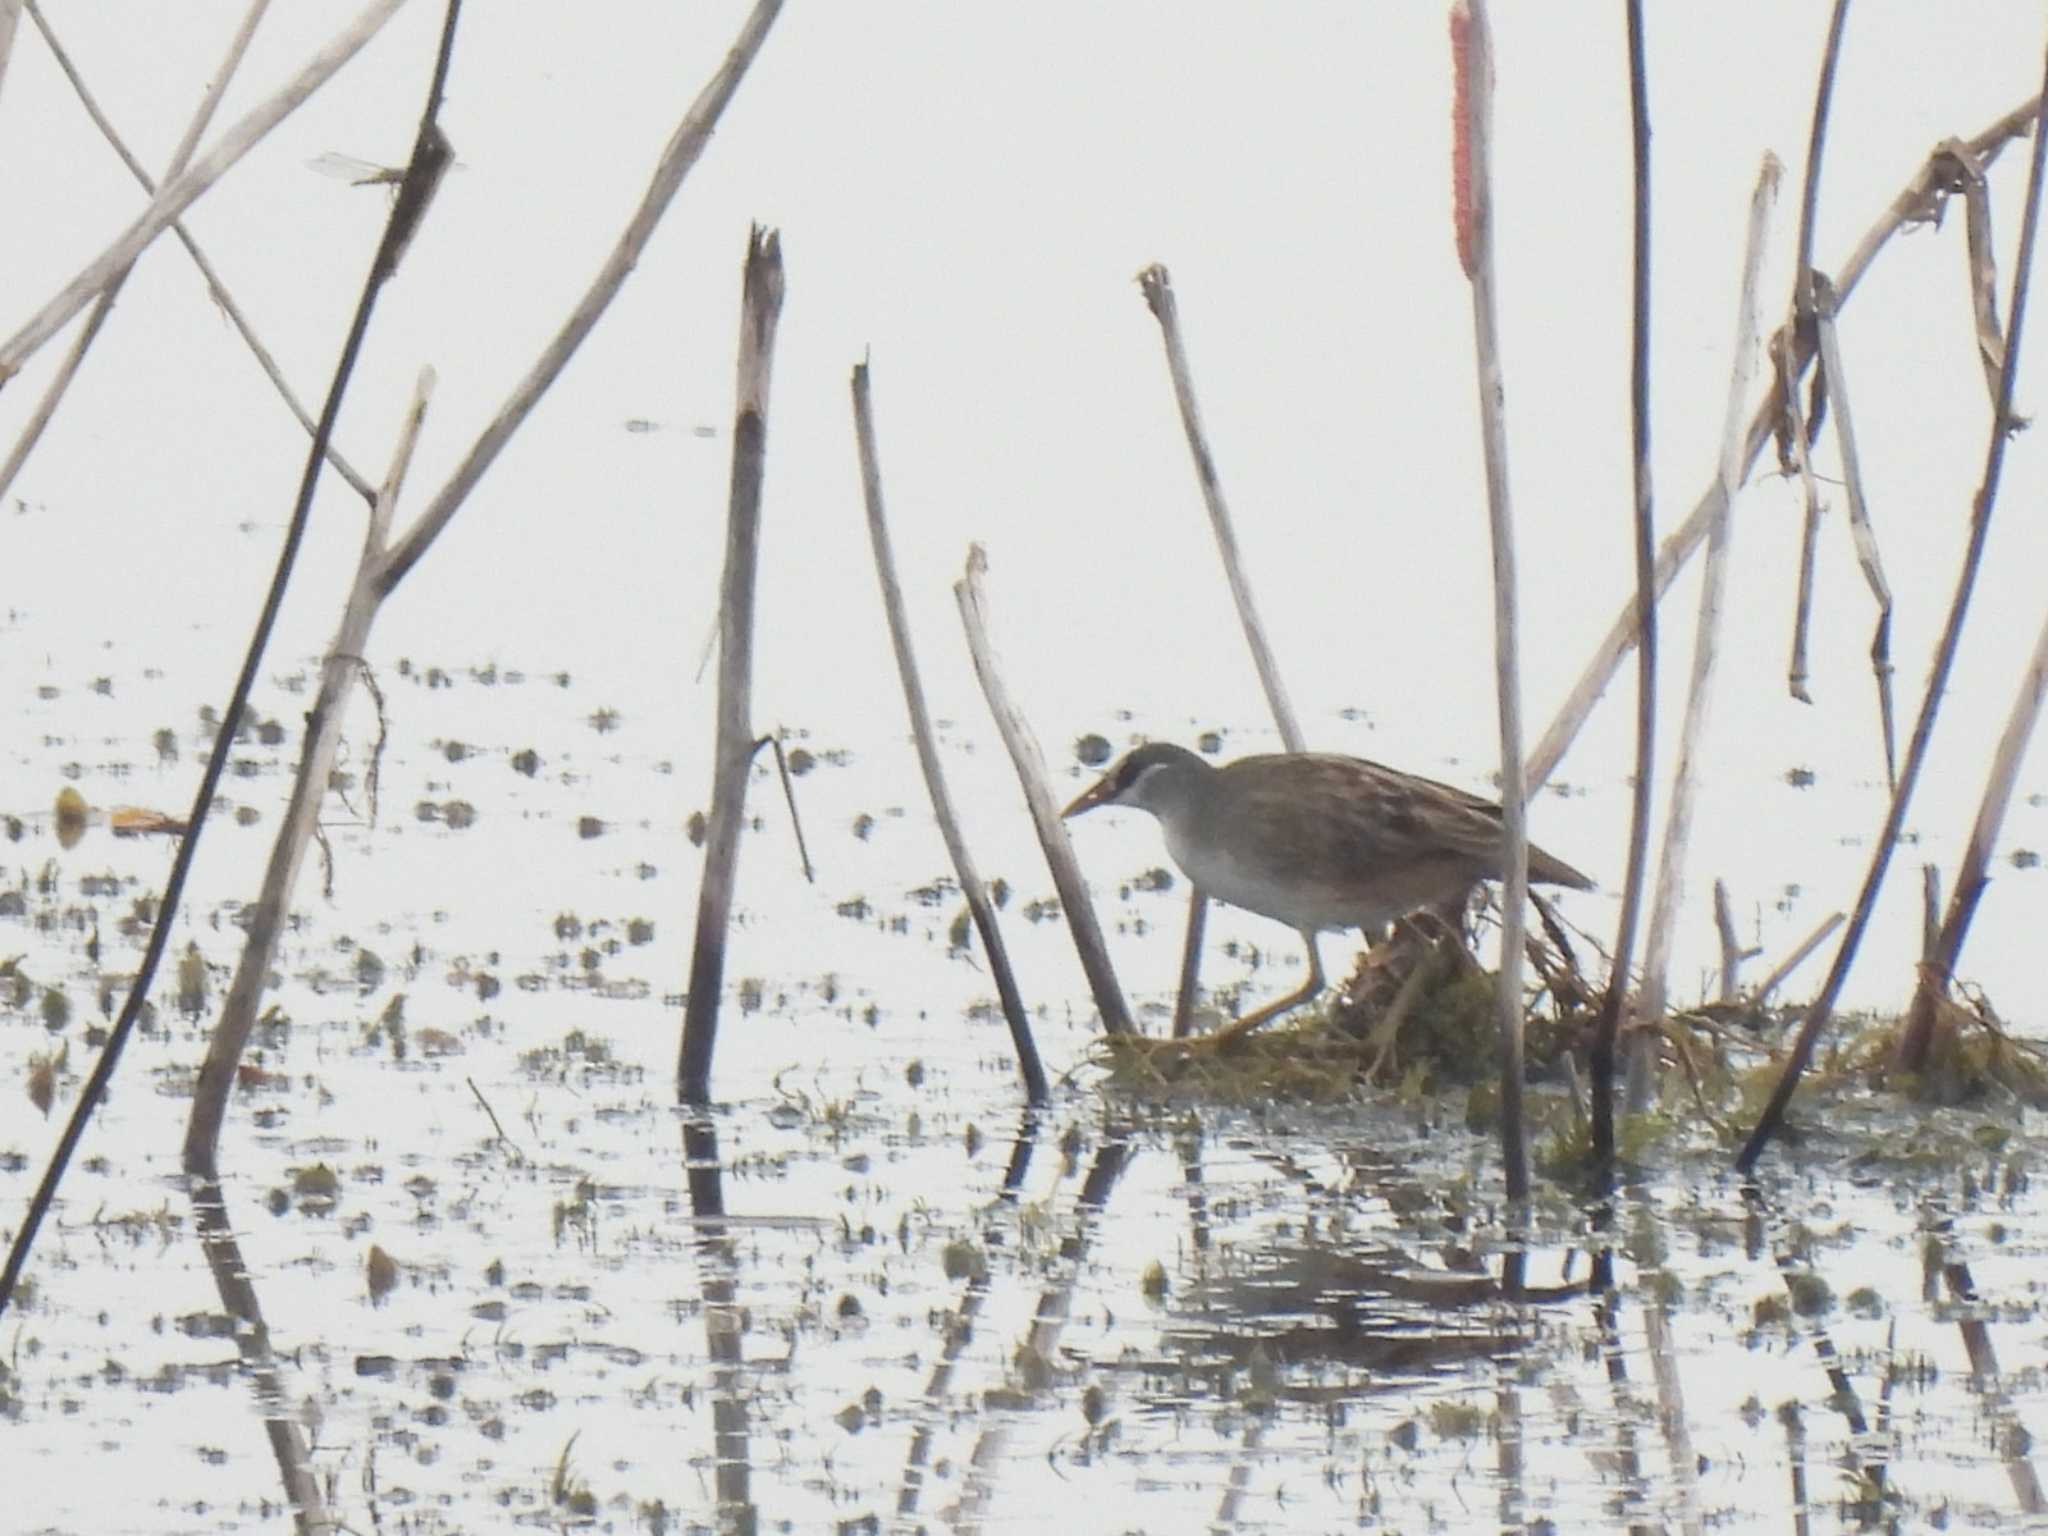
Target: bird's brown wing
(1371,818)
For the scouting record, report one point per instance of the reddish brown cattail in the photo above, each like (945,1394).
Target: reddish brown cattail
(1464,211)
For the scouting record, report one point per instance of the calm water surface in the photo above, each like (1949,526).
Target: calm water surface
(918,1309)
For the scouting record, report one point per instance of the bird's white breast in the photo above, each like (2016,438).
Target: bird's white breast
(1259,886)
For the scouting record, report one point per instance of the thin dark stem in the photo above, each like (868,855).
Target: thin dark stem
(1602,1061)
(1798,338)
(1937,683)
(1809,196)
(224,738)
(796,821)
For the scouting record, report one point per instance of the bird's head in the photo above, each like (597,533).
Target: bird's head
(1156,777)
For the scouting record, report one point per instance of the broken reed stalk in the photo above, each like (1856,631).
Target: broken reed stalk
(53,394)
(1799,323)
(1835,382)
(1794,434)
(1937,968)
(1601,1056)
(179,194)
(1705,655)
(1816,143)
(1916,203)
(1157,286)
(1983,266)
(1029,762)
(1930,910)
(1472,124)
(267,916)
(1797,958)
(733,753)
(983,911)
(264,921)
(429,159)
(1732,952)
(1822,1007)
(681,153)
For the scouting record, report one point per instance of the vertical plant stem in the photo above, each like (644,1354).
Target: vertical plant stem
(1731,946)
(1818,1013)
(1472,45)
(1798,673)
(1816,143)
(1157,286)
(983,911)
(1602,1055)
(1670,886)
(760,310)
(1029,762)
(1797,339)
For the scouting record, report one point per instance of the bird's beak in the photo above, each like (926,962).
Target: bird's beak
(1098,793)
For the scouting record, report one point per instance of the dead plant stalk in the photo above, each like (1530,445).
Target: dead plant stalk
(1986,498)
(1472,47)
(760,309)
(1036,1089)
(182,191)
(265,919)
(217,290)
(969,593)
(1707,633)
(1915,203)
(1157,286)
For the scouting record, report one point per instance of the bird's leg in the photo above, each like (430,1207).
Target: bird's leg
(1230,1034)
